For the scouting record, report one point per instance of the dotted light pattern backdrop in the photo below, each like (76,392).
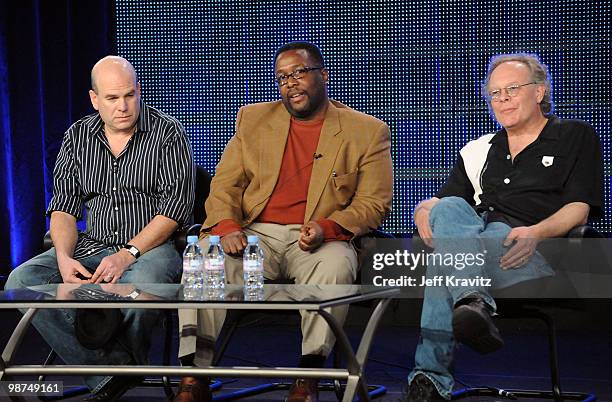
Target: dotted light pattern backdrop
(417,65)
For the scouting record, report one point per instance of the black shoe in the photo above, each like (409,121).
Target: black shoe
(113,389)
(421,389)
(473,326)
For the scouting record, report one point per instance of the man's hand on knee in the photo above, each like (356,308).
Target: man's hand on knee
(421,219)
(70,269)
(234,243)
(525,241)
(112,267)
(311,236)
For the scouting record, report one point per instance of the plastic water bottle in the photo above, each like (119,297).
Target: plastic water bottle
(193,261)
(214,263)
(253,268)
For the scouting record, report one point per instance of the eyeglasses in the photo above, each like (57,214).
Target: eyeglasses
(297,74)
(511,91)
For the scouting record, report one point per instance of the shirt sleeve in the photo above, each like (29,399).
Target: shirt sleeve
(333,232)
(458,184)
(224,227)
(67,194)
(176,182)
(585,181)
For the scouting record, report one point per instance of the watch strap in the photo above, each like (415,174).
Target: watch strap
(132,250)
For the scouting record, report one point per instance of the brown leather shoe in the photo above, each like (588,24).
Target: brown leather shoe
(303,390)
(193,389)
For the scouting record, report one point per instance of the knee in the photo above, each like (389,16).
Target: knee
(20,278)
(39,270)
(450,208)
(335,271)
(14,280)
(449,205)
(160,265)
(136,275)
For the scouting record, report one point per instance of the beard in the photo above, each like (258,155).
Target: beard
(314,102)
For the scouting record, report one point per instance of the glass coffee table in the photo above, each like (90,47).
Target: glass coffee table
(315,298)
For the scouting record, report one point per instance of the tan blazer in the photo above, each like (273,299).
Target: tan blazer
(351,183)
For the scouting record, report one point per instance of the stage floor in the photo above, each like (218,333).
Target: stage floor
(585,354)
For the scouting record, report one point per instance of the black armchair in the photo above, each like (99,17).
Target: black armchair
(548,293)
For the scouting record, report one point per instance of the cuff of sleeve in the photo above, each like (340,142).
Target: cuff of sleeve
(177,214)
(333,232)
(59,208)
(224,227)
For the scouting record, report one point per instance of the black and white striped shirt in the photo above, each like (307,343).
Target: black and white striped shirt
(153,175)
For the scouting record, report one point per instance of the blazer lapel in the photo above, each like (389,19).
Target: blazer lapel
(274,140)
(328,147)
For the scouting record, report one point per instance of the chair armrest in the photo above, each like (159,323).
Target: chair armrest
(365,245)
(366,242)
(180,236)
(47,241)
(584,232)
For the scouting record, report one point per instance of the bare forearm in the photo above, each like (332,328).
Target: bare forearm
(562,221)
(63,233)
(155,233)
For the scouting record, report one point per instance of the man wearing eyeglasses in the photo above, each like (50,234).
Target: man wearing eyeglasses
(536,178)
(306,174)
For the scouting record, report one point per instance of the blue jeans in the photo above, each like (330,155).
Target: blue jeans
(459,230)
(131,346)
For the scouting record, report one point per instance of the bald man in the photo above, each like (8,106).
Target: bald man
(131,167)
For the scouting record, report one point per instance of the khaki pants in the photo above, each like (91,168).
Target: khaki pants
(333,263)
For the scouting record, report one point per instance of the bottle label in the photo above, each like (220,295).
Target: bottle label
(215,265)
(252,265)
(192,265)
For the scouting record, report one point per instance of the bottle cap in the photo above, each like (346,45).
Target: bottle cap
(213,239)
(252,239)
(192,239)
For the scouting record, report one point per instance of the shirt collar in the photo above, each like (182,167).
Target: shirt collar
(143,123)
(546,134)
(144,120)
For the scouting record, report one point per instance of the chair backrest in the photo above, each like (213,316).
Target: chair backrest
(202,189)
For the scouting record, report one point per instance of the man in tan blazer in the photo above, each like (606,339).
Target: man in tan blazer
(305,174)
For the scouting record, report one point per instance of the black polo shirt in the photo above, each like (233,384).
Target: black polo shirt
(563,165)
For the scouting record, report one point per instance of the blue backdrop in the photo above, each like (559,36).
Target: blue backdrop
(47,49)
(415,64)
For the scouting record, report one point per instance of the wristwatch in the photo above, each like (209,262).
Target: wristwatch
(132,250)
(134,294)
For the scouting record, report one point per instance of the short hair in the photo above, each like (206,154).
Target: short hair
(539,74)
(313,51)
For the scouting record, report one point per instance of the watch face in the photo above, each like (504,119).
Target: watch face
(132,250)
(135,293)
